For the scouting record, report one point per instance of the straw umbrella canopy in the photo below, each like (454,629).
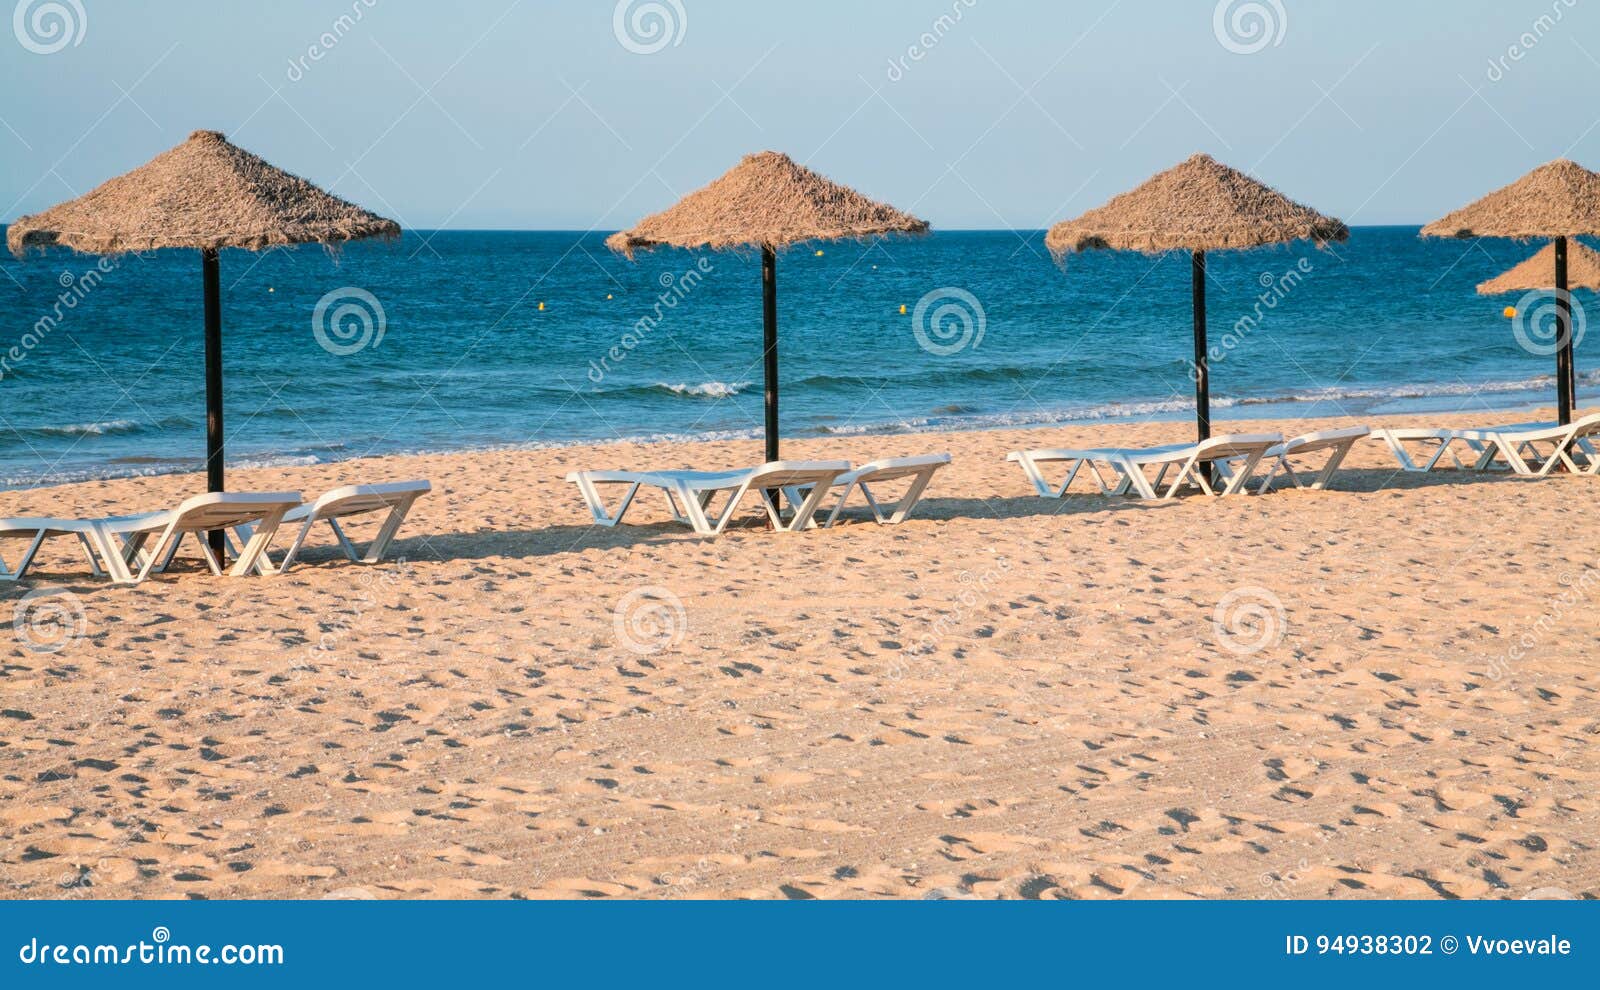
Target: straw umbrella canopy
(767,201)
(1197,206)
(1557,200)
(204,194)
(1538,273)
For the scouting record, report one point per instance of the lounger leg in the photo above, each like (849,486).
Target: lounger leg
(380,543)
(91,550)
(294,548)
(212,560)
(1398,449)
(1031,470)
(803,514)
(908,502)
(844,497)
(597,505)
(1133,477)
(7,574)
(101,541)
(254,556)
(694,512)
(1241,479)
(1030,467)
(1325,476)
(1120,487)
(1280,464)
(164,549)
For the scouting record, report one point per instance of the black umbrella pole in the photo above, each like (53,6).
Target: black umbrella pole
(769,339)
(213,311)
(1202,374)
(1565,379)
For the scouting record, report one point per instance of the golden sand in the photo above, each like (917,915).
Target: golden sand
(1004,697)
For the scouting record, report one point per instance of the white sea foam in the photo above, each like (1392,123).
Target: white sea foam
(706,390)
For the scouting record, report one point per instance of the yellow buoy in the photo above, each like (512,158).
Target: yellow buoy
(271,289)
(902,309)
(819,252)
(1511,312)
(608,295)
(541,307)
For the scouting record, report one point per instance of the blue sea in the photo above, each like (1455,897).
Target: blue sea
(531,339)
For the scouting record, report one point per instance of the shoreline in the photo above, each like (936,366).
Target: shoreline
(1244,410)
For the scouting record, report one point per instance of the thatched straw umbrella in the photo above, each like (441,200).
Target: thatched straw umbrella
(1557,200)
(1539,272)
(1198,206)
(767,201)
(204,194)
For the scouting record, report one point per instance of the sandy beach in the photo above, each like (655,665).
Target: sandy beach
(1004,697)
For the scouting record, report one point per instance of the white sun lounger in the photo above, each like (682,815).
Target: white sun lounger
(1127,465)
(1336,443)
(1546,447)
(1442,441)
(198,516)
(97,544)
(689,493)
(920,469)
(394,497)
(1486,444)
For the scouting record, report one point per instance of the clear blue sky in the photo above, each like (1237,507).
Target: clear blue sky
(494,113)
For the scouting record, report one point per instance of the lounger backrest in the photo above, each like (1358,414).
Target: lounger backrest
(223,510)
(355,499)
(780,473)
(1238,444)
(900,467)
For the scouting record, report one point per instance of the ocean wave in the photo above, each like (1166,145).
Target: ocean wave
(1413,391)
(704,390)
(100,428)
(96,429)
